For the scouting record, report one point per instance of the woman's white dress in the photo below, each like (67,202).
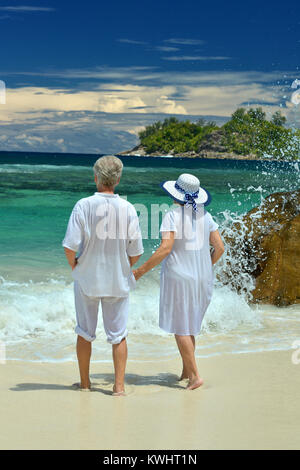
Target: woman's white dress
(187,273)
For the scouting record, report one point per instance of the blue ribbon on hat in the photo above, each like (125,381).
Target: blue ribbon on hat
(188,197)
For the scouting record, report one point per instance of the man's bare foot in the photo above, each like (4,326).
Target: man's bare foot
(118,391)
(78,386)
(196,383)
(119,394)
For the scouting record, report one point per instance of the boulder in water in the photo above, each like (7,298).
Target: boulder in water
(268,240)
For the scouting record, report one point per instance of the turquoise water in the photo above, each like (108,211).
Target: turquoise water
(37,193)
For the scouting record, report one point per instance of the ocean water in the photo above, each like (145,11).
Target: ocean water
(37,194)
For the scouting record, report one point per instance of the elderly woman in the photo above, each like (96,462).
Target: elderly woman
(187,272)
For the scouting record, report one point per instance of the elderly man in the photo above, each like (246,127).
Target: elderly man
(103,231)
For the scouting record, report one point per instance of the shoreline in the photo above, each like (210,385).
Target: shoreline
(222,157)
(169,357)
(248,401)
(178,157)
(202,157)
(139,151)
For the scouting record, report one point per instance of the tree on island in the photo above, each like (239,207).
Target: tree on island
(174,135)
(248,132)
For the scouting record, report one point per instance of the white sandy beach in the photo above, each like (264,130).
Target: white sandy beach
(248,401)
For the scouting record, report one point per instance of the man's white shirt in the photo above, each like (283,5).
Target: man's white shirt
(104,230)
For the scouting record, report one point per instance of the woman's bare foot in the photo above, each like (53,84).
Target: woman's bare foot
(184,375)
(195,383)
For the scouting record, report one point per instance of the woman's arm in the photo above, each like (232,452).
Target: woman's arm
(218,246)
(161,253)
(133,259)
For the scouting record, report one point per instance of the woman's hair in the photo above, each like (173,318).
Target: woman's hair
(108,170)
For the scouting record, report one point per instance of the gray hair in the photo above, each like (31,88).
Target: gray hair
(108,170)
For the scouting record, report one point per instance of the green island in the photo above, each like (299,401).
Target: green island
(247,135)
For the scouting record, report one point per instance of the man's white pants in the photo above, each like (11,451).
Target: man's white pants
(114,313)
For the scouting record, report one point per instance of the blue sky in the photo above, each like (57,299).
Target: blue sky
(87,76)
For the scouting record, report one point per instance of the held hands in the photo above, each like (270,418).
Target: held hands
(137,273)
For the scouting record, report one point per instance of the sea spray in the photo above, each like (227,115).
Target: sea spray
(240,259)
(233,268)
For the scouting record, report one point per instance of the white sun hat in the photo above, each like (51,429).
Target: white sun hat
(187,190)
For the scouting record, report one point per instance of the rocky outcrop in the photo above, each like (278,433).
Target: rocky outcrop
(213,142)
(136,151)
(269,243)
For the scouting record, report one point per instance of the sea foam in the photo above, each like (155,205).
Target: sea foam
(43,312)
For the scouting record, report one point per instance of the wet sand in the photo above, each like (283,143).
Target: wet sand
(248,401)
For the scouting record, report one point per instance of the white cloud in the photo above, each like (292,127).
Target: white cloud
(134,73)
(156,77)
(107,113)
(20,102)
(195,58)
(25,8)
(132,41)
(185,41)
(94,135)
(135,130)
(214,93)
(167,48)
(223,100)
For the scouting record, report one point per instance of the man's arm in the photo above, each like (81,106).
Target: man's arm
(74,235)
(71,257)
